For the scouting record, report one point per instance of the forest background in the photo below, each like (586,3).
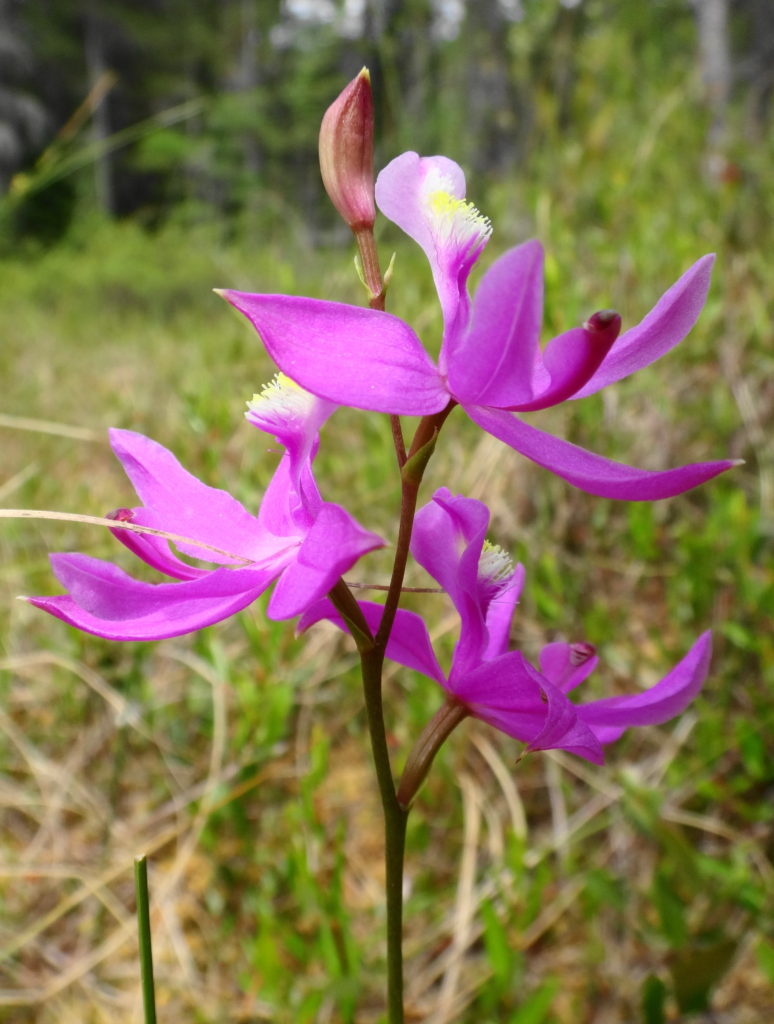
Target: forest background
(151,150)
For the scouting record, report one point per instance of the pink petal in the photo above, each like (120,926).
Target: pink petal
(665,326)
(609,717)
(105,601)
(564,729)
(493,364)
(587,471)
(447,540)
(425,197)
(567,665)
(154,551)
(332,546)
(571,358)
(511,695)
(409,642)
(499,615)
(346,354)
(176,501)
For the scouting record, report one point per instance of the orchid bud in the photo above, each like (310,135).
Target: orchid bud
(347,153)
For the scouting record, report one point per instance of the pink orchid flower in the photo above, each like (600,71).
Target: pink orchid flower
(490,361)
(499,685)
(297,539)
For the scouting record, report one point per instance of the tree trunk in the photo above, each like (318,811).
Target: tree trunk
(715,63)
(96,67)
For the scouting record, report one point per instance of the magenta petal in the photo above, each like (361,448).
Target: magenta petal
(332,546)
(154,551)
(665,326)
(447,540)
(425,196)
(564,729)
(409,642)
(511,695)
(105,601)
(500,614)
(178,502)
(570,359)
(609,717)
(448,535)
(590,472)
(352,356)
(493,364)
(567,665)
(505,689)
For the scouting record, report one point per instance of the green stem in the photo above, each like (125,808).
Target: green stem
(372,650)
(395,819)
(369,261)
(427,429)
(144,930)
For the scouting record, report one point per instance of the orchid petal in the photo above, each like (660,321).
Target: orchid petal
(332,546)
(609,717)
(282,512)
(105,601)
(665,326)
(447,539)
(358,357)
(493,363)
(177,502)
(567,665)
(512,696)
(294,416)
(499,615)
(425,196)
(154,551)
(587,471)
(564,730)
(571,358)
(409,644)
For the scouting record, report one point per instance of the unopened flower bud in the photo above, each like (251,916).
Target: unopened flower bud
(347,153)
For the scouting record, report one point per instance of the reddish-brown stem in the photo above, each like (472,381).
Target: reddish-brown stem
(427,429)
(432,738)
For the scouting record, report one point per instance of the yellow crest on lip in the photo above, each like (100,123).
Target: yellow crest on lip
(281,395)
(458,218)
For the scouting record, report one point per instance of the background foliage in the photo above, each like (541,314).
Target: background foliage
(152,150)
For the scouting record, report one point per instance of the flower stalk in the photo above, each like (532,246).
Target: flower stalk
(492,365)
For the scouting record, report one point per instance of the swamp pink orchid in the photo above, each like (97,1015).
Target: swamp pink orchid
(496,684)
(298,540)
(490,361)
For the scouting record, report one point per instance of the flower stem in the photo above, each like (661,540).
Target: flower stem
(369,261)
(434,734)
(372,651)
(143,926)
(395,819)
(427,429)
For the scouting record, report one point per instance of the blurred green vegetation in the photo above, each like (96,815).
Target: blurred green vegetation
(237,757)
